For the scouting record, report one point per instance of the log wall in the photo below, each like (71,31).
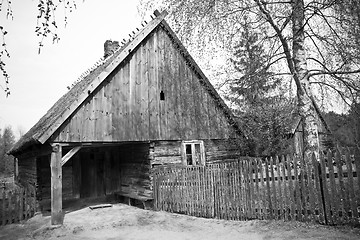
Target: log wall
(44,179)
(216,150)
(135,170)
(27,171)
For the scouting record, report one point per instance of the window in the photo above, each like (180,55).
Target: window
(162,96)
(193,153)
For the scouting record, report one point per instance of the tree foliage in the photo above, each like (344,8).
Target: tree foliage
(7,140)
(304,42)
(46,27)
(346,127)
(254,84)
(262,110)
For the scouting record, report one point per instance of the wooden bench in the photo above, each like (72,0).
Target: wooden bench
(129,196)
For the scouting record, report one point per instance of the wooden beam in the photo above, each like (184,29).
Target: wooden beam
(69,155)
(57,216)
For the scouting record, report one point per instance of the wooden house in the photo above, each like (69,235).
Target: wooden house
(146,103)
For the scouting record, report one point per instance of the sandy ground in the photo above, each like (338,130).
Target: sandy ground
(125,222)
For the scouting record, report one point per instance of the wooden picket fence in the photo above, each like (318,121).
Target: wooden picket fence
(16,204)
(324,189)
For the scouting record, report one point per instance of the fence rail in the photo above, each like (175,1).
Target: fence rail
(324,189)
(16,204)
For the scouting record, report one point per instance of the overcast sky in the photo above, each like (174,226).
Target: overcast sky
(38,81)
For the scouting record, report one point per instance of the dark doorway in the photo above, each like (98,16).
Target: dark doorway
(92,174)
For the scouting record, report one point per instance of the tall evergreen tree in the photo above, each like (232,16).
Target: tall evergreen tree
(7,140)
(263,112)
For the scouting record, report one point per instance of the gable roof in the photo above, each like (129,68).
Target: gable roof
(70,101)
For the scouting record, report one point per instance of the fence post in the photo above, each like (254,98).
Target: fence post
(4,202)
(350,188)
(274,202)
(268,207)
(279,186)
(343,197)
(21,206)
(322,190)
(290,188)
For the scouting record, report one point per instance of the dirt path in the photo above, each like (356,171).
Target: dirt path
(124,222)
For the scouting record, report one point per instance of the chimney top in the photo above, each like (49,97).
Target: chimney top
(110,47)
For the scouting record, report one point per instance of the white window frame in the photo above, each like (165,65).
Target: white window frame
(193,144)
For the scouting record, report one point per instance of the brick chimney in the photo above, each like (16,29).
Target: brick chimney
(110,47)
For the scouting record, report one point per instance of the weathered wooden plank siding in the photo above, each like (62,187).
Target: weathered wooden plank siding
(127,105)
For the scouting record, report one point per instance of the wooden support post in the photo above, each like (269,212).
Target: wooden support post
(57,216)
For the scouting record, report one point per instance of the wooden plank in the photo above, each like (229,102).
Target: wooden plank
(175,83)
(10,207)
(285,187)
(154,124)
(186,102)
(69,154)
(98,121)
(26,203)
(323,202)
(33,200)
(164,59)
(309,172)
(273,186)
(303,189)
(263,198)
(297,188)
(2,207)
(333,196)
(289,166)
(357,170)
(21,206)
(180,101)
(91,131)
(136,78)
(256,194)
(100,206)
(133,118)
(342,193)
(144,111)
(252,188)
(16,203)
(350,187)
(268,207)
(124,104)
(237,189)
(279,190)
(57,216)
(203,118)
(117,103)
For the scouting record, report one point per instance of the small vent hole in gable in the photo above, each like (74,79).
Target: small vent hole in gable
(162,96)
